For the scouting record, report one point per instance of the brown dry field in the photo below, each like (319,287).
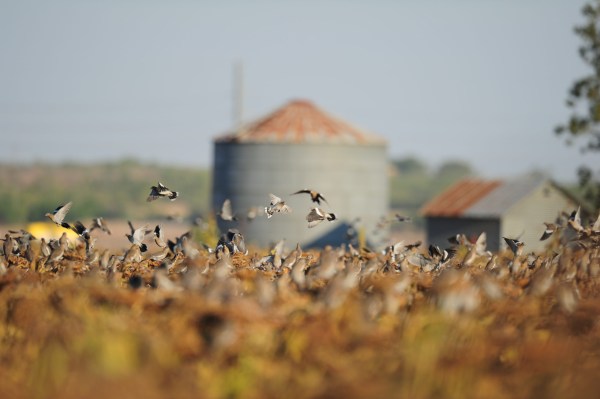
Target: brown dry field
(348,326)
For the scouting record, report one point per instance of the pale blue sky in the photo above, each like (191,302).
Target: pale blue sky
(479,80)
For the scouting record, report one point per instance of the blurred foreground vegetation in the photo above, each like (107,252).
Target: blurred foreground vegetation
(115,190)
(338,325)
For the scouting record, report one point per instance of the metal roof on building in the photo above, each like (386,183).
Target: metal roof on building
(484,199)
(301,121)
(497,202)
(459,197)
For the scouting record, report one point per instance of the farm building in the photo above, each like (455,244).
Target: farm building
(515,209)
(300,146)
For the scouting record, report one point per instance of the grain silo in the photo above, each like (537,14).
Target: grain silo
(295,147)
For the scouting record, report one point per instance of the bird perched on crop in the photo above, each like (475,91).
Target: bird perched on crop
(8,247)
(45,248)
(277,205)
(315,197)
(99,223)
(515,245)
(237,240)
(133,254)
(292,257)
(234,241)
(22,239)
(59,250)
(58,215)
(161,191)
(226,211)
(317,215)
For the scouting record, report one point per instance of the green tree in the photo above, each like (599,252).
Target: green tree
(410,165)
(454,170)
(584,101)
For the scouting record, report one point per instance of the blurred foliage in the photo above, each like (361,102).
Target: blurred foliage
(110,190)
(584,101)
(453,170)
(79,332)
(410,165)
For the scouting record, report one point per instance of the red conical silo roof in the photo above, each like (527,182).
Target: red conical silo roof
(300,121)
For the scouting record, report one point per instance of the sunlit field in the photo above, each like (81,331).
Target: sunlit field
(283,322)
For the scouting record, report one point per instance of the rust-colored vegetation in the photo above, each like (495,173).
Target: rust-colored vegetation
(335,323)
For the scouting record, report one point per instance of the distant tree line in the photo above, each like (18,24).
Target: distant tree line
(119,189)
(110,190)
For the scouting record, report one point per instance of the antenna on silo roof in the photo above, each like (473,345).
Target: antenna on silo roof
(238,95)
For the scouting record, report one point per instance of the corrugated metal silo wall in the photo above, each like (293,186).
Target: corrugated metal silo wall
(352,178)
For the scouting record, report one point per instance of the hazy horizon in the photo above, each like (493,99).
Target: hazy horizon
(485,82)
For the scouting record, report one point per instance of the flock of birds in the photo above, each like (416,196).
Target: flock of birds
(277,205)
(331,274)
(18,242)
